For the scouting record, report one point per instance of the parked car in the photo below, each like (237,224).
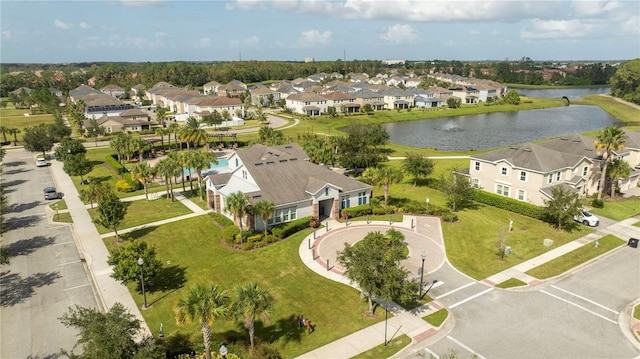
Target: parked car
(52,193)
(585,217)
(41,162)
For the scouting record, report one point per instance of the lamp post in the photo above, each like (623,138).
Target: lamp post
(95,137)
(55,206)
(428,203)
(423,256)
(144,295)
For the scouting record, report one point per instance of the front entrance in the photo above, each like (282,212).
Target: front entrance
(324,209)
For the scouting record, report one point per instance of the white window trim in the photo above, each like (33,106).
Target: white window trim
(506,170)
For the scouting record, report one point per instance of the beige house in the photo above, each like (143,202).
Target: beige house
(342,102)
(112,124)
(307,103)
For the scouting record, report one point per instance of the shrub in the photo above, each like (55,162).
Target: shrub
(378,210)
(314,222)
(449,217)
(597,203)
(222,220)
(284,230)
(111,161)
(229,233)
(358,211)
(255,237)
(508,204)
(123,186)
(136,185)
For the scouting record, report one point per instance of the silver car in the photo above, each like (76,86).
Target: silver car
(52,193)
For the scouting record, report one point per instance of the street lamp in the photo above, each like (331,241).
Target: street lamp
(223,351)
(423,256)
(428,203)
(55,206)
(95,137)
(144,295)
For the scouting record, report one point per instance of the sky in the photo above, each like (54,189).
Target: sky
(292,30)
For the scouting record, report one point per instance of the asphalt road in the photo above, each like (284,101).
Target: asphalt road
(45,276)
(575,316)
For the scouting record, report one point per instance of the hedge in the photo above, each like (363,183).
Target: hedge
(222,220)
(506,203)
(229,233)
(111,161)
(357,211)
(284,230)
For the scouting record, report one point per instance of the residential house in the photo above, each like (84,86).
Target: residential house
(264,96)
(397,98)
(307,103)
(113,124)
(211,88)
(205,105)
(368,97)
(232,89)
(342,102)
(113,90)
(283,176)
(98,104)
(466,94)
(56,92)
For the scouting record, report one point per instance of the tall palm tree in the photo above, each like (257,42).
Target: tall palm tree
(252,301)
(264,209)
(618,169)
(383,176)
(173,129)
(139,145)
(4,130)
(14,132)
(180,158)
(192,133)
(204,304)
(202,161)
(161,115)
(143,173)
(161,132)
(609,140)
(168,168)
(189,159)
(120,144)
(237,204)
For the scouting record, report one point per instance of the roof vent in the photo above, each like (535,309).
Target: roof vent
(293,159)
(270,162)
(258,164)
(283,160)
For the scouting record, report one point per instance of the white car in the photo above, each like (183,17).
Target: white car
(585,217)
(41,162)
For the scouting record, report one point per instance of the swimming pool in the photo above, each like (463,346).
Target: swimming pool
(223,163)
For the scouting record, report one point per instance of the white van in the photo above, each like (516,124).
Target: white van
(585,217)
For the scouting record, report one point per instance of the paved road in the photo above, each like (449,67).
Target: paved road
(580,315)
(45,275)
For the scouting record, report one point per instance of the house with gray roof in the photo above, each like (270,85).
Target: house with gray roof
(527,172)
(284,176)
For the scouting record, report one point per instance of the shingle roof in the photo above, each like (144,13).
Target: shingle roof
(532,157)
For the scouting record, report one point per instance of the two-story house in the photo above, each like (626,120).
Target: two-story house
(307,103)
(283,176)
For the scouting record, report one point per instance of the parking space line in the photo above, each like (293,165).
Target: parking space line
(64,264)
(455,290)
(432,353)
(76,287)
(585,299)
(465,347)
(579,306)
(470,298)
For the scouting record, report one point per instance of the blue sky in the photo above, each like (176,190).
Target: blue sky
(291,30)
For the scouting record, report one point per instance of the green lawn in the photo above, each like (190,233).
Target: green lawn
(142,212)
(63,217)
(61,204)
(576,257)
(195,198)
(637,224)
(436,319)
(15,118)
(636,312)
(382,351)
(619,210)
(471,242)
(510,283)
(193,253)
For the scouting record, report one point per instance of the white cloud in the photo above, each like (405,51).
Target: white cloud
(314,38)
(143,3)
(474,32)
(251,42)
(246,5)
(557,29)
(62,25)
(121,42)
(202,43)
(161,34)
(399,34)
(84,25)
(6,34)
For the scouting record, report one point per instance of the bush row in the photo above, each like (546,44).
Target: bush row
(284,230)
(111,161)
(508,204)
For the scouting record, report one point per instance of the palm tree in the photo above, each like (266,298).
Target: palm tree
(120,143)
(383,176)
(237,204)
(168,168)
(4,130)
(143,173)
(161,115)
(161,132)
(192,133)
(264,209)
(204,304)
(138,144)
(609,140)
(180,158)
(202,161)
(14,132)
(618,169)
(189,161)
(252,301)
(173,129)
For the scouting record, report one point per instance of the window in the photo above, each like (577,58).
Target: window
(278,216)
(504,171)
(502,190)
(523,176)
(521,195)
(477,166)
(476,183)
(557,176)
(326,191)
(244,174)
(236,162)
(362,198)
(585,171)
(550,178)
(345,202)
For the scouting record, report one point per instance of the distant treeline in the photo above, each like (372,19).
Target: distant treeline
(65,77)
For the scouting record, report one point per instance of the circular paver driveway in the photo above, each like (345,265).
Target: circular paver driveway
(330,243)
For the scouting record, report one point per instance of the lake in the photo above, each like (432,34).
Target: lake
(572,93)
(486,131)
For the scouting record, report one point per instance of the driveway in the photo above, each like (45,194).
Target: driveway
(45,276)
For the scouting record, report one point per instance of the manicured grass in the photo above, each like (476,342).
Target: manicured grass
(436,319)
(510,283)
(382,351)
(192,252)
(637,224)
(616,109)
(636,312)
(576,257)
(62,217)
(471,242)
(142,212)
(395,218)
(15,118)
(61,204)
(195,198)
(619,210)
